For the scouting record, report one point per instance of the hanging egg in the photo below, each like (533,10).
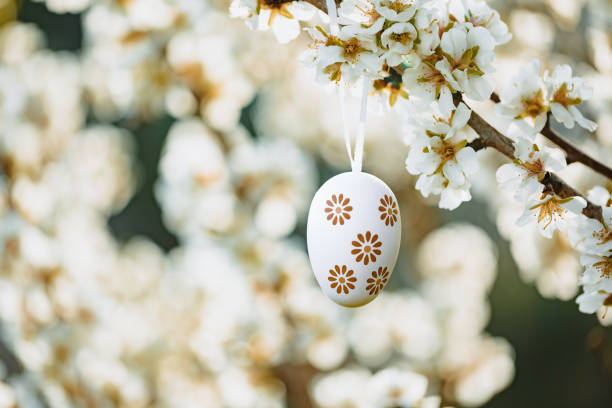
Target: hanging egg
(353,235)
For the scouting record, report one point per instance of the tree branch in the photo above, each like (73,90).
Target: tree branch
(491,137)
(574,154)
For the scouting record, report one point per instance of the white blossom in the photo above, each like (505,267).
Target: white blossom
(592,236)
(566,93)
(479,14)
(428,27)
(531,96)
(284,19)
(594,239)
(595,297)
(7,396)
(341,388)
(345,57)
(525,96)
(232,308)
(468,54)
(440,155)
(522,177)
(428,84)
(600,196)
(393,387)
(397,10)
(359,12)
(597,268)
(552,213)
(398,39)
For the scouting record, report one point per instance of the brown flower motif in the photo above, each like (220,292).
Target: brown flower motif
(378,280)
(338,209)
(342,279)
(389,210)
(366,247)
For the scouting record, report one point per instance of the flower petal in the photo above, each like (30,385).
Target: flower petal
(453,173)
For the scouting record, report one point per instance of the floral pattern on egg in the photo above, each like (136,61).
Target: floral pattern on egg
(342,279)
(377,281)
(389,210)
(352,244)
(367,247)
(338,209)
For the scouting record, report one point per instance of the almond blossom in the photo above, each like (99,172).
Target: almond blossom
(429,32)
(552,213)
(283,18)
(566,93)
(468,54)
(594,239)
(440,155)
(595,297)
(592,236)
(345,57)
(428,84)
(597,281)
(478,14)
(525,97)
(523,177)
(358,12)
(398,39)
(399,11)
(597,268)
(531,96)
(393,387)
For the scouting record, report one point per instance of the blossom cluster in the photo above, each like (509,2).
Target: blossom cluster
(593,238)
(412,49)
(418,54)
(524,179)
(440,154)
(531,96)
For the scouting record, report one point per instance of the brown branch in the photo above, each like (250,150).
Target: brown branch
(573,154)
(564,190)
(491,137)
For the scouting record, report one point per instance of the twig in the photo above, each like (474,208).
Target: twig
(491,137)
(564,190)
(573,154)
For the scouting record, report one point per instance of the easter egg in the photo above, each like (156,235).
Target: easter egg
(353,237)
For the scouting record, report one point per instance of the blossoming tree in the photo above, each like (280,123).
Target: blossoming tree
(219,133)
(431,59)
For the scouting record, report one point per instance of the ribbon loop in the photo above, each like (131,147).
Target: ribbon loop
(356,158)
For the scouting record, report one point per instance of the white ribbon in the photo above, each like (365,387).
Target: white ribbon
(356,159)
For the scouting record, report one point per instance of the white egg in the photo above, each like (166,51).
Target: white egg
(353,234)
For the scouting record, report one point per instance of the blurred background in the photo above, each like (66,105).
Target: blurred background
(158,159)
